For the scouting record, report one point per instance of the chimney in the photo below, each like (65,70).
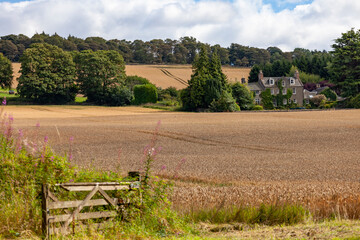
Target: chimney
(297,75)
(261,75)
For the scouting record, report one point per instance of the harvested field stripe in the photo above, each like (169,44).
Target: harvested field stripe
(167,73)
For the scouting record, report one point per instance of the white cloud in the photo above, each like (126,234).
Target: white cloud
(246,22)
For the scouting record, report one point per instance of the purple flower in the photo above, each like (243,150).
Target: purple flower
(21,133)
(52,158)
(46,139)
(37,125)
(4,101)
(163,167)
(71,139)
(11,118)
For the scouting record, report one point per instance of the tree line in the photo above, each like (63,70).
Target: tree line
(158,51)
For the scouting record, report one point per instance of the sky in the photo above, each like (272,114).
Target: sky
(287,24)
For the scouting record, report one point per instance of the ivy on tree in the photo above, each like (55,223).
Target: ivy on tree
(6,72)
(47,75)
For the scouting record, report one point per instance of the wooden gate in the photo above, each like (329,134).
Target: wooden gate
(50,203)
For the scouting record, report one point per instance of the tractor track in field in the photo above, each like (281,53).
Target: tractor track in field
(210,142)
(169,74)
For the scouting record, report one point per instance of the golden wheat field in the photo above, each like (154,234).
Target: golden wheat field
(165,75)
(304,157)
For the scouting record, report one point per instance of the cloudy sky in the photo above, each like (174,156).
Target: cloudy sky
(311,24)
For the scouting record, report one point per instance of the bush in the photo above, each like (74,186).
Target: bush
(146,93)
(329,94)
(318,100)
(257,108)
(226,103)
(131,81)
(354,102)
(118,96)
(170,93)
(242,95)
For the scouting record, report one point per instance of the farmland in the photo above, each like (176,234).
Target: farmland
(165,75)
(308,157)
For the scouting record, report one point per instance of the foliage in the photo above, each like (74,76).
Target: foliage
(306,77)
(280,97)
(242,96)
(6,72)
(267,99)
(257,108)
(329,94)
(101,76)
(345,65)
(146,93)
(355,102)
(47,75)
(318,100)
(131,81)
(118,96)
(207,82)
(254,74)
(225,103)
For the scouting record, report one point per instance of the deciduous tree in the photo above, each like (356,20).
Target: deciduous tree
(6,72)
(47,75)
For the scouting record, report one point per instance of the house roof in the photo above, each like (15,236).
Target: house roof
(308,94)
(254,86)
(297,82)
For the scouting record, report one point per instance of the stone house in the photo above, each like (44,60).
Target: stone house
(293,83)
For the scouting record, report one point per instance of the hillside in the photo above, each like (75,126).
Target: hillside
(165,75)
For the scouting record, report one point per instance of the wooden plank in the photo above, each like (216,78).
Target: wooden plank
(78,209)
(108,198)
(73,204)
(44,210)
(94,184)
(89,188)
(82,216)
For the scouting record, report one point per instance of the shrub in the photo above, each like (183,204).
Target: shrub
(355,102)
(146,93)
(131,81)
(329,94)
(118,96)
(318,100)
(257,108)
(242,95)
(226,103)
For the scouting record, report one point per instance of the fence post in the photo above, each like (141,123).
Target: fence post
(45,209)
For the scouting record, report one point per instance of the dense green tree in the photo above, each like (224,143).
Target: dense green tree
(254,74)
(242,96)
(99,73)
(6,72)
(47,75)
(346,63)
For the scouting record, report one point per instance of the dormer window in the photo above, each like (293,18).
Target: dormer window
(271,81)
(292,81)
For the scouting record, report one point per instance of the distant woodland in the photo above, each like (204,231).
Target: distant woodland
(168,51)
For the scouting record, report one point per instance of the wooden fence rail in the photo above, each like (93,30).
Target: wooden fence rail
(72,209)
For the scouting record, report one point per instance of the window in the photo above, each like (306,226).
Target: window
(271,81)
(257,92)
(294,90)
(257,101)
(295,101)
(284,91)
(289,101)
(274,102)
(283,83)
(292,81)
(284,102)
(272,91)
(307,101)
